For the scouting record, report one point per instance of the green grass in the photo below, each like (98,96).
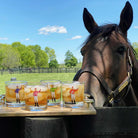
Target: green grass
(34,77)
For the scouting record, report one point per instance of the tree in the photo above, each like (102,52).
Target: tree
(51,54)
(53,64)
(70,60)
(26,55)
(1,56)
(35,48)
(16,44)
(41,58)
(73,61)
(10,57)
(28,58)
(135,46)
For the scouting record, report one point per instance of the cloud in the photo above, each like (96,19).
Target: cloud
(136,27)
(52,29)
(76,37)
(3,38)
(27,39)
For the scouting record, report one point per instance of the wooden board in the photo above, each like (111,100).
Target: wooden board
(50,111)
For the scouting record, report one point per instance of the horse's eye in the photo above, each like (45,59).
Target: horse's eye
(121,50)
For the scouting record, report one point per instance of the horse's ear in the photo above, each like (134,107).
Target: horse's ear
(126,18)
(88,20)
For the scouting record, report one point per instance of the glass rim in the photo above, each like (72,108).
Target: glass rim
(72,82)
(37,83)
(19,81)
(50,80)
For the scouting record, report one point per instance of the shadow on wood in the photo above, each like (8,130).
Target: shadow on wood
(107,123)
(45,128)
(10,127)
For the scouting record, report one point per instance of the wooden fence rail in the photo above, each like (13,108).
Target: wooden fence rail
(39,70)
(114,122)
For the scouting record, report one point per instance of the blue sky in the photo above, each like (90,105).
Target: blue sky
(58,24)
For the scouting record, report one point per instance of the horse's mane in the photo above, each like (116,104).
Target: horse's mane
(105,31)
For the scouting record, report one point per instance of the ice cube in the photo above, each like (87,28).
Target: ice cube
(68,85)
(39,87)
(27,89)
(76,84)
(14,86)
(56,84)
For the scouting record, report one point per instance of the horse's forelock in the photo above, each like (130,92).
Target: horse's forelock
(103,32)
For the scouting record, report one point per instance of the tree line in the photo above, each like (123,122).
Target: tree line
(18,55)
(135,46)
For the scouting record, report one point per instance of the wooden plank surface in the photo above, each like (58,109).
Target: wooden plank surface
(50,111)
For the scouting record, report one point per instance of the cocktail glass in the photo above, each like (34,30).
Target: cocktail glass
(54,90)
(36,96)
(15,93)
(73,94)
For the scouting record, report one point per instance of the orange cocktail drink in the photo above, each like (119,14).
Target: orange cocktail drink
(54,91)
(73,93)
(36,97)
(15,93)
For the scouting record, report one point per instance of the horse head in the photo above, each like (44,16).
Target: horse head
(107,65)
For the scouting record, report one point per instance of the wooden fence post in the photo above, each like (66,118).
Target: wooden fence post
(41,70)
(48,127)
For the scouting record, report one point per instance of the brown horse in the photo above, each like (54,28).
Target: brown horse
(109,69)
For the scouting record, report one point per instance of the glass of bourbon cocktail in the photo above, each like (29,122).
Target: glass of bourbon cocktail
(54,90)
(36,96)
(73,94)
(15,93)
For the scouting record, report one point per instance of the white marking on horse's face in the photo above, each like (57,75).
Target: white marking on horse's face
(92,87)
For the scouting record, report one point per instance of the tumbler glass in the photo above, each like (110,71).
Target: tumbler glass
(73,94)
(54,90)
(15,93)
(36,96)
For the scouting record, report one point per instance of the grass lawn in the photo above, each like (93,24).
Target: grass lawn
(34,77)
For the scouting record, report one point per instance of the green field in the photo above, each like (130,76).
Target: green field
(34,77)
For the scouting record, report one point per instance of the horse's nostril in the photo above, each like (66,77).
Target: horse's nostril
(88,96)
(89,99)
